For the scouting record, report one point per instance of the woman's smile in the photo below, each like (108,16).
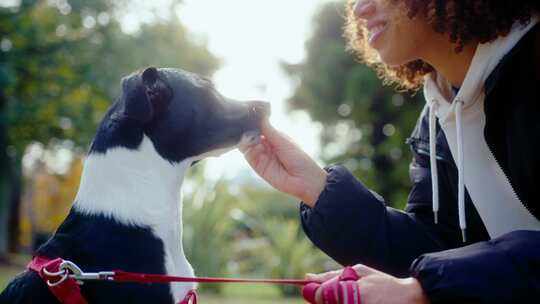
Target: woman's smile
(375,28)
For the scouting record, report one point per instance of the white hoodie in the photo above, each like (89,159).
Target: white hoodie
(462,120)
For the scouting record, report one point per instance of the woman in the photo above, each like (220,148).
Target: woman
(471,229)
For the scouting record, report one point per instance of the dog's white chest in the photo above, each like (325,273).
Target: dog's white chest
(139,188)
(176,263)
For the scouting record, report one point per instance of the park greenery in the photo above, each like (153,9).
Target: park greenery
(60,67)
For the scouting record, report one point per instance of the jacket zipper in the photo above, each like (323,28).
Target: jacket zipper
(426,153)
(509,181)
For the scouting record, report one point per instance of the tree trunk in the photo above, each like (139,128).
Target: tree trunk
(5,173)
(14,216)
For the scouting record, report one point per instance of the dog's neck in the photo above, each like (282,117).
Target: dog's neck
(135,187)
(139,188)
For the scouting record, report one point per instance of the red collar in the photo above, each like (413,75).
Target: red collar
(191,298)
(65,289)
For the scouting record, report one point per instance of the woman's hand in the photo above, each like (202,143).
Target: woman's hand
(279,161)
(378,287)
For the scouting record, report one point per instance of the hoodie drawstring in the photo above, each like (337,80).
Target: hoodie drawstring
(433,160)
(461,169)
(460,164)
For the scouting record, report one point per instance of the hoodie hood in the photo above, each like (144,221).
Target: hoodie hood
(462,119)
(485,60)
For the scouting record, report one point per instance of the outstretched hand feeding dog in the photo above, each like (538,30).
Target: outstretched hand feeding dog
(128,212)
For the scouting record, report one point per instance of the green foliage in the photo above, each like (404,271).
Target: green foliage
(289,254)
(366,123)
(60,68)
(208,231)
(249,231)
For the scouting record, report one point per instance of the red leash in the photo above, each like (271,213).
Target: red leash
(64,277)
(124,276)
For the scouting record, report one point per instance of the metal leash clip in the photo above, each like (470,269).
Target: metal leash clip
(62,273)
(68,269)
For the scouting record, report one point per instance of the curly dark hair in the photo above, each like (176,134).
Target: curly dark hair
(464,21)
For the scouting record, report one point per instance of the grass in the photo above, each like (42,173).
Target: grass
(17,264)
(243,294)
(209,299)
(231,293)
(6,274)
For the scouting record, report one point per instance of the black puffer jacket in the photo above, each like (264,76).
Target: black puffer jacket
(353,225)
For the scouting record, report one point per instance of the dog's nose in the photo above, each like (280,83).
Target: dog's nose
(260,108)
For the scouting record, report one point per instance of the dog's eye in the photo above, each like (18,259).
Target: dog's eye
(206,82)
(203,82)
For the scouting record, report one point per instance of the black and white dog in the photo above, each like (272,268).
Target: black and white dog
(128,213)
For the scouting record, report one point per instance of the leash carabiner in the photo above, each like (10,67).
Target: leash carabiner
(62,273)
(75,272)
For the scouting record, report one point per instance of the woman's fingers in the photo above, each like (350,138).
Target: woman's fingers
(322,277)
(252,152)
(342,292)
(279,161)
(256,153)
(275,138)
(364,271)
(319,296)
(374,286)
(361,270)
(265,162)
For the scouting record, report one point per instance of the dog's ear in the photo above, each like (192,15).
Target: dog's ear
(154,97)
(157,91)
(150,75)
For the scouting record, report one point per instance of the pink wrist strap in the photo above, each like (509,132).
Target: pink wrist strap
(341,289)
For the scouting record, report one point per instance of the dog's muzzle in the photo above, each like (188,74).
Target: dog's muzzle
(260,109)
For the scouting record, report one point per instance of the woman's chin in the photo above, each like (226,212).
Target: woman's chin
(392,59)
(392,62)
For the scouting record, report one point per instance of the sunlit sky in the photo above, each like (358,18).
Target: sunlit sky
(252,37)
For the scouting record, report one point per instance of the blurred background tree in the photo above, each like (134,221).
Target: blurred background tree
(60,68)
(365,123)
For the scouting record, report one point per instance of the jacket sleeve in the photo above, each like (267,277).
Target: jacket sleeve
(503,270)
(353,225)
